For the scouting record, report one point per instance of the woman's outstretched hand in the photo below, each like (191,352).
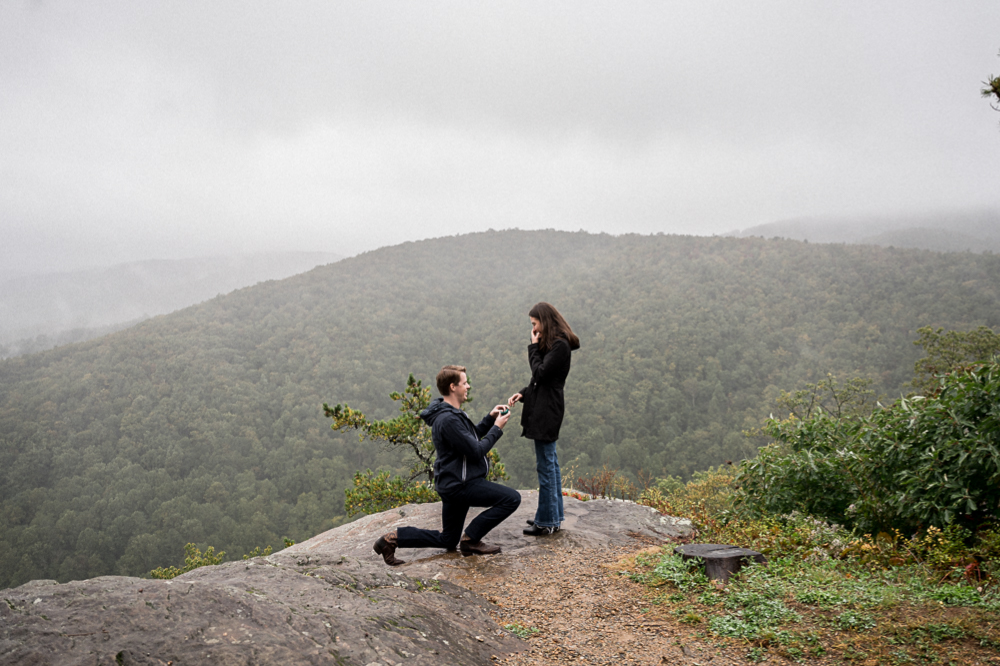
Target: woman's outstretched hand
(514,398)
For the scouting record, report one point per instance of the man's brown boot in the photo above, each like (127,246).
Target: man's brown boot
(468,547)
(386,547)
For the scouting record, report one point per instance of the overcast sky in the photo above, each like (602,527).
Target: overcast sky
(135,130)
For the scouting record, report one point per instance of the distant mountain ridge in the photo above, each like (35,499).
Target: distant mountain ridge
(38,312)
(977,231)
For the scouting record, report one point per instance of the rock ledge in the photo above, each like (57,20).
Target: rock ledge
(327,600)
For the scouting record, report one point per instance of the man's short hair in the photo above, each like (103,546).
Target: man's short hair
(449,374)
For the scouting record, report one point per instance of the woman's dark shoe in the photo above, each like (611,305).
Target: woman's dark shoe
(537,530)
(468,548)
(386,547)
(532,523)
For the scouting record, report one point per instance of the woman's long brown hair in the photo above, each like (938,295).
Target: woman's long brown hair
(553,326)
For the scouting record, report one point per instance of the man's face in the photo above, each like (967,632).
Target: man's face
(461,389)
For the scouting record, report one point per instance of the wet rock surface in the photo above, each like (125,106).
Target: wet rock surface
(591,525)
(327,600)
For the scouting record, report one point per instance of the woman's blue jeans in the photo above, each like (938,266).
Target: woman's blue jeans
(550,499)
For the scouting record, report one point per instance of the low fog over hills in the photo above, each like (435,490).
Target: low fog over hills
(977,231)
(39,312)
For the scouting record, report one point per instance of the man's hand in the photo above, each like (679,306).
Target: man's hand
(514,398)
(501,413)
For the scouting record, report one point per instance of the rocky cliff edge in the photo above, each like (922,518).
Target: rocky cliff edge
(328,600)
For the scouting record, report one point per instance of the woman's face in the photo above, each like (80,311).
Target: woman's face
(536,326)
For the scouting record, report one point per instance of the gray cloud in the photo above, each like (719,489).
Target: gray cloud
(138,130)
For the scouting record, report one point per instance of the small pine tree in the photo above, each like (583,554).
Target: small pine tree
(373,492)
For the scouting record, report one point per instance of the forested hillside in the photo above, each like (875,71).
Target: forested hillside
(205,425)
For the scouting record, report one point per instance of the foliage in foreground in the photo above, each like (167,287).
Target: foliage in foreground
(373,493)
(924,461)
(827,592)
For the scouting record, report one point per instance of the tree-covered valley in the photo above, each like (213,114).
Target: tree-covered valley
(206,425)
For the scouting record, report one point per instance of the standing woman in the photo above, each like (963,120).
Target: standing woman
(552,340)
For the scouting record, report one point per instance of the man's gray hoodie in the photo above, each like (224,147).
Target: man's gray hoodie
(461,446)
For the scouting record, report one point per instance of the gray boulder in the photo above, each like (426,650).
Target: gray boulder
(327,600)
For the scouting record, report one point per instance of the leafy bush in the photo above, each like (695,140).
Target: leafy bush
(707,500)
(194,559)
(373,493)
(257,552)
(805,470)
(825,591)
(944,450)
(708,494)
(924,461)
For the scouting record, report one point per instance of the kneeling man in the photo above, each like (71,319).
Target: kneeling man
(460,468)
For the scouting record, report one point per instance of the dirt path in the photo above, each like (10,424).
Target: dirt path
(603,617)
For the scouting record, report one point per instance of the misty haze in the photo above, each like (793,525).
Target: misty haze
(774,228)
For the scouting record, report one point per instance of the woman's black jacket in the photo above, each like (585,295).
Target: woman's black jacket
(543,400)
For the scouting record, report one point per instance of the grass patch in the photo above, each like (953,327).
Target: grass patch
(836,610)
(520,630)
(823,597)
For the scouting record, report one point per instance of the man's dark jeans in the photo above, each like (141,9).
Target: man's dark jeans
(502,501)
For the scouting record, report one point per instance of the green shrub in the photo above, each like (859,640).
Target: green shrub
(520,630)
(257,552)
(924,461)
(707,500)
(944,450)
(805,470)
(194,559)
(373,493)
